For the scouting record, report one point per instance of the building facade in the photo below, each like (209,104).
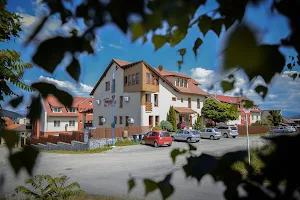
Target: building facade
(145,94)
(56,118)
(254,114)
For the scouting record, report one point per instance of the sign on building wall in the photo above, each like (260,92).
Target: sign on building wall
(108,102)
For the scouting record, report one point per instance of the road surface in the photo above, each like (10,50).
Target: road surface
(107,173)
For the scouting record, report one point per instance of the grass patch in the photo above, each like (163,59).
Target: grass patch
(90,151)
(92,198)
(125,142)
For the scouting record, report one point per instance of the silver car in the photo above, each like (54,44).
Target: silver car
(187,135)
(211,133)
(228,131)
(282,129)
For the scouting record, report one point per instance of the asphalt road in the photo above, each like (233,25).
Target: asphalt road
(107,173)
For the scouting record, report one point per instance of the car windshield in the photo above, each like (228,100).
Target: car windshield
(195,132)
(233,128)
(164,134)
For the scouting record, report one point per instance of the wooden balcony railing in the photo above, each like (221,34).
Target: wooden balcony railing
(148,107)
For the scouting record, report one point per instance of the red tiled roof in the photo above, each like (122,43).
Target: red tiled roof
(52,101)
(13,126)
(227,99)
(121,63)
(184,110)
(8,121)
(168,73)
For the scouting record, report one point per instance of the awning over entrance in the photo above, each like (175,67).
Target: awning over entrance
(183,110)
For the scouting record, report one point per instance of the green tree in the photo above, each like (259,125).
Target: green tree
(274,117)
(218,111)
(198,123)
(172,117)
(46,187)
(263,122)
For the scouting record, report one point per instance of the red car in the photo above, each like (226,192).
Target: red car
(157,138)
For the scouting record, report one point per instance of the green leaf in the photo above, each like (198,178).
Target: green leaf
(46,88)
(15,102)
(227,86)
(205,24)
(182,52)
(177,37)
(197,44)
(192,147)
(74,70)
(131,184)
(165,187)
(159,41)
(11,138)
(35,108)
(177,152)
(247,103)
(150,186)
(217,26)
(137,30)
(25,158)
(261,90)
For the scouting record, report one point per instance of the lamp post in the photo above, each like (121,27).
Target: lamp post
(248,139)
(113,109)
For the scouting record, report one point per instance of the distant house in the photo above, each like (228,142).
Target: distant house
(253,115)
(15,117)
(56,118)
(296,120)
(287,122)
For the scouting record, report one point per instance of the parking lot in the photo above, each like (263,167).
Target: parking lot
(107,173)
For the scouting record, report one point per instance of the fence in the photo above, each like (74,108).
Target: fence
(118,132)
(63,137)
(253,129)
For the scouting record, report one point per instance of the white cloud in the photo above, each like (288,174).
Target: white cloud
(284,92)
(78,89)
(116,46)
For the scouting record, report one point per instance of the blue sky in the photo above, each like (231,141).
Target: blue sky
(113,43)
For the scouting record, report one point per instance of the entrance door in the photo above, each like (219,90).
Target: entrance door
(191,121)
(187,121)
(151,121)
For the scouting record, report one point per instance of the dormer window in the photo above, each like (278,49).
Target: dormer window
(177,82)
(72,110)
(185,83)
(181,82)
(56,109)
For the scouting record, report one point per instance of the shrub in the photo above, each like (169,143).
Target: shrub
(125,142)
(165,125)
(172,117)
(155,128)
(198,123)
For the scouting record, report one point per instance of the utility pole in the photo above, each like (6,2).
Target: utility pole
(248,139)
(113,88)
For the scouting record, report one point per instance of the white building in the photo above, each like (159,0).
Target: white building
(145,94)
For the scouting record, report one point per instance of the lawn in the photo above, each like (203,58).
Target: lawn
(98,150)
(92,198)
(125,142)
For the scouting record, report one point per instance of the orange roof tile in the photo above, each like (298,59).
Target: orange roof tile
(121,62)
(13,126)
(184,110)
(8,121)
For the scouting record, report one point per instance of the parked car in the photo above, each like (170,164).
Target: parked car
(181,125)
(228,131)
(292,128)
(211,133)
(282,129)
(187,135)
(157,138)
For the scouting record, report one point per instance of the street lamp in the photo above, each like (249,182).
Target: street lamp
(248,139)
(113,87)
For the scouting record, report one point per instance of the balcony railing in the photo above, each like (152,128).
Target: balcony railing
(148,107)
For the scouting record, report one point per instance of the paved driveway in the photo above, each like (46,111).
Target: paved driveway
(107,173)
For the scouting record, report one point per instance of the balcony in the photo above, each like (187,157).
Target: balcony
(148,107)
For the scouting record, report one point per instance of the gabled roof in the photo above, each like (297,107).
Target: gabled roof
(169,73)
(227,99)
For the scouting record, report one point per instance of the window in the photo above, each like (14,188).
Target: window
(133,79)
(137,78)
(125,81)
(126,121)
(80,121)
(156,120)
(177,82)
(56,123)
(208,130)
(107,86)
(120,119)
(198,103)
(181,82)
(129,79)
(72,123)
(155,100)
(148,78)
(115,119)
(164,134)
(90,121)
(100,122)
(156,82)
(185,83)
(252,117)
(190,103)
(181,100)
(56,109)
(72,110)
(256,117)
(153,83)
(173,98)
(121,101)
(90,102)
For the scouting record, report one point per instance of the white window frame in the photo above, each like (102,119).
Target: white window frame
(56,109)
(56,123)
(72,110)
(72,123)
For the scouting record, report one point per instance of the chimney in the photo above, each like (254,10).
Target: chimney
(160,68)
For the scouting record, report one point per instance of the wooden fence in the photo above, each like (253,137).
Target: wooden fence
(253,129)
(118,132)
(63,137)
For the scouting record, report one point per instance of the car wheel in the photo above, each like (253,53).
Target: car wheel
(189,140)
(212,137)
(225,135)
(155,144)
(233,136)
